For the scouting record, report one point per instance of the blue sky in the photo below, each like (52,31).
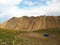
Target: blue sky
(18,8)
(27,4)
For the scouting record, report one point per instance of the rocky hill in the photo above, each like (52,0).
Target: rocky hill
(32,23)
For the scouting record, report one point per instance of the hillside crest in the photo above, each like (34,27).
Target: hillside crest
(32,23)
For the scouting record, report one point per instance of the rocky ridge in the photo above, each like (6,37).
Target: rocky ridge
(32,23)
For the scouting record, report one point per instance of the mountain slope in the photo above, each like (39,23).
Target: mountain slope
(13,37)
(32,23)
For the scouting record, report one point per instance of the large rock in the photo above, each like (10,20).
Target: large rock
(32,23)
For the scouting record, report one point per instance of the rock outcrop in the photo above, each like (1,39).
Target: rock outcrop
(32,23)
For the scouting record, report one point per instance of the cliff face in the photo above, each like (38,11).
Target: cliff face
(32,23)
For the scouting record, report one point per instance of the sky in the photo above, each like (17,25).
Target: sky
(18,8)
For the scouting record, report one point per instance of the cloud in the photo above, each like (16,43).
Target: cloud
(10,2)
(9,8)
(53,8)
(6,5)
(29,3)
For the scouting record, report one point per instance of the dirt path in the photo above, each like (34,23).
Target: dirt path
(38,39)
(51,40)
(35,35)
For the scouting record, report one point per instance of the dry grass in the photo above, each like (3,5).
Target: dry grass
(12,37)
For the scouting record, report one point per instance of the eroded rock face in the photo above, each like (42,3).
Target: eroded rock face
(32,23)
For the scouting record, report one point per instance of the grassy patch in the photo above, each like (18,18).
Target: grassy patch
(17,37)
(51,31)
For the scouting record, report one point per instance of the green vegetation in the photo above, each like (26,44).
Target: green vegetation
(6,36)
(50,31)
(16,37)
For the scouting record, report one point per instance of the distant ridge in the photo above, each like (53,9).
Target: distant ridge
(32,23)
